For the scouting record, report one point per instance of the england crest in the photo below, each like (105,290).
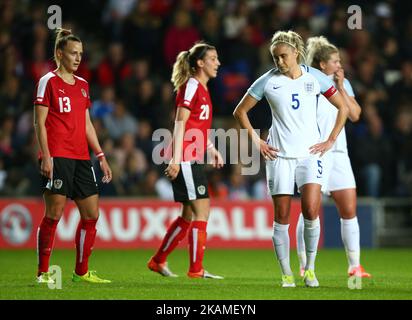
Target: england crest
(309,87)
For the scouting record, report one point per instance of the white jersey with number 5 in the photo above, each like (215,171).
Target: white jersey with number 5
(327,116)
(293,103)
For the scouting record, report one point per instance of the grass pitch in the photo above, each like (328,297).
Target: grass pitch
(249,274)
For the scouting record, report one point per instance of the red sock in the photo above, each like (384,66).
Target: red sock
(175,233)
(197,243)
(45,239)
(85,235)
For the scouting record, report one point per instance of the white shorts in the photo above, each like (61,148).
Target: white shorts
(338,173)
(283,173)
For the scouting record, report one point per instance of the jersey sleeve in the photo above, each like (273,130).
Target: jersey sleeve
(348,88)
(257,89)
(43,92)
(89,102)
(186,96)
(327,88)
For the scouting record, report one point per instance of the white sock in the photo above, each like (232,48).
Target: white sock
(300,242)
(281,243)
(311,234)
(350,236)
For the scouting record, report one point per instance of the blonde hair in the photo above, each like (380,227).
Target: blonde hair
(62,36)
(319,50)
(291,38)
(186,63)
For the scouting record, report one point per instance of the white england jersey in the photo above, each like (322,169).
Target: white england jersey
(293,103)
(327,113)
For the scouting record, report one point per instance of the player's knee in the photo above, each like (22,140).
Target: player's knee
(311,212)
(55,211)
(90,215)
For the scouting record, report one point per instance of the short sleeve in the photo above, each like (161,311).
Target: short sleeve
(88,103)
(348,88)
(43,92)
(257,89)
(327,88)
(186,96)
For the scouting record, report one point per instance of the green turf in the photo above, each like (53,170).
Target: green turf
(249,274)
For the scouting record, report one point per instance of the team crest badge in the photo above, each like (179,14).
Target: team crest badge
(84,93)
(57,184)
(271,184)
(309,86)
(201,190)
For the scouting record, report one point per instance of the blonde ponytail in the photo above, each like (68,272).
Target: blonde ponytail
(62,36)
(186,63)
(291,38)
(181,70)
(319,50)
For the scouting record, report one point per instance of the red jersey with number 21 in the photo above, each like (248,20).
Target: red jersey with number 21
(66,119)
(195,97)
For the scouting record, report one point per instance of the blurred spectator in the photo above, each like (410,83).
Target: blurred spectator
(210,28)
(3,175)
(11,97)
(114,68)
(114,15)
(129,156)
(119,121)
(144,139)
(216,188)
(142,32)
(140,72)
(403,149)
(40,64)
(180,36)
(154,187)
(237,19)
(237,185)
(105,105)
(372,153)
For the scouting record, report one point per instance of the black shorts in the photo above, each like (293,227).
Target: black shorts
(72,178)
(190,183)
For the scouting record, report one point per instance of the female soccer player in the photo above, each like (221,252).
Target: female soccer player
(292,148)
(191,73)
(339,181)
(64,132)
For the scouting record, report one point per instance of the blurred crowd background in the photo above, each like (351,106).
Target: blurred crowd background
(129,49)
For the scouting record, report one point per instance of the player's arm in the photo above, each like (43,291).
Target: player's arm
(343,111)
(329,91)
(240,114)
(94,144)
(182,115)
(215,156)
(40,116)
(354,107)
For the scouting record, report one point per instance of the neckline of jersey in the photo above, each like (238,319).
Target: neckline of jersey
(61,79)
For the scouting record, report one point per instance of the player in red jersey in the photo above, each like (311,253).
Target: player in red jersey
(64,132)
(191,72)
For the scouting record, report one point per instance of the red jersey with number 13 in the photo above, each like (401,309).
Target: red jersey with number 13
(195,97)
(66,119)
